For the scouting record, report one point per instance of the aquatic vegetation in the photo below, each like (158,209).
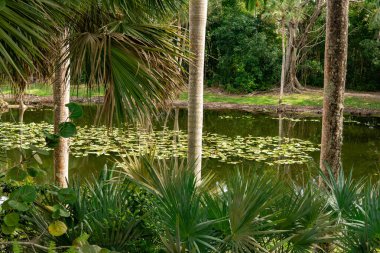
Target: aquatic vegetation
(167,143)
(236,117)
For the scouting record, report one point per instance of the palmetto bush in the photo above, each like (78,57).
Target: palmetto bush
(160,207)
(356,207)
(255,212)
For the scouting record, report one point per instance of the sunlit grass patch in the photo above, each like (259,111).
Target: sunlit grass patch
(303,99)
(43,90)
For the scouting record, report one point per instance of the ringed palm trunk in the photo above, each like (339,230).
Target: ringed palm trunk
(198,18)
(61,90)
(334,83)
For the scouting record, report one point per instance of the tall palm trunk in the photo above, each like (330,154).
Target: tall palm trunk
(198,18)
(61,98)
(334,83)
(283,62)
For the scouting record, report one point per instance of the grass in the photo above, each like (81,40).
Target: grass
(312,98)
(304,99)
(44,90)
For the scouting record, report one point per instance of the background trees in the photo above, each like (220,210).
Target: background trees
(243,48)
(243,53)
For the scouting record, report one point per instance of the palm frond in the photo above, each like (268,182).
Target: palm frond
(24,28)
(135,59)
(184,222)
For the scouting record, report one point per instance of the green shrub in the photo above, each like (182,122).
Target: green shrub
(243,52)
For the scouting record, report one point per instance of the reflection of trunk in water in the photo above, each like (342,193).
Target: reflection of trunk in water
(175,135)
(21,122)
(280,136)
(291,125)
(167,118)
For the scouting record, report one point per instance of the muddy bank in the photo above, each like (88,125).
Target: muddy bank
(313,110)
(37,101)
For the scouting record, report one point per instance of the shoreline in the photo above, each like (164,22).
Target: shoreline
(300,110)
(38,101)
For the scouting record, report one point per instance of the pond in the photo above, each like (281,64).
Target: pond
(232,139)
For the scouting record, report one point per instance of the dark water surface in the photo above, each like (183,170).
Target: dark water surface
(361,149)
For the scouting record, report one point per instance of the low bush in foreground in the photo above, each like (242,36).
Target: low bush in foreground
(156,207)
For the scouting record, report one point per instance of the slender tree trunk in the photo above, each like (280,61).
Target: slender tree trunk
(297,40)
(198,18)
(20,93)
(291,81)
(283,62)
(334,83)
(61,98)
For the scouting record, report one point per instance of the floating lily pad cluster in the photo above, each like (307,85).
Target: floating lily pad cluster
(346,120)
(235,117)
(299,119)
(166,143)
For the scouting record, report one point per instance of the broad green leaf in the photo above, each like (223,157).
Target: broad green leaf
(91,249)
(39,150)
(37,158)
(52,140)
(11,219)
(7,230)
(32,172)
(66,195)
(35,172)
(75,110)
(67,129)
(59,212)
(57,228)
(25,193)
(17,174)
(18,205)
(81,240)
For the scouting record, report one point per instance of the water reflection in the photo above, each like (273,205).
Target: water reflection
(360,150)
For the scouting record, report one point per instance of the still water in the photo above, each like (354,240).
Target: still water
(232,139)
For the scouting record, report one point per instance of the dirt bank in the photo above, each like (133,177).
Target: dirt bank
(32,100)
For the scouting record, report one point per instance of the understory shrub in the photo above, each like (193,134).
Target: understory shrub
(157,206)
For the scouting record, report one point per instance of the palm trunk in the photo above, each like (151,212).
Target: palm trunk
(198,18)
(283,63)
(61,98)
(20,93)
(334,83)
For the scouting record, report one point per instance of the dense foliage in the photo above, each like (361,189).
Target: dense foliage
(158,207)
(244,49)
(363,66)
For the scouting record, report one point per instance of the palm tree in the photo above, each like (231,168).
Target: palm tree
(118,44)
(197,18)
(24,26)
(25,29)
(61,93)
(334,83)
(123,46)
